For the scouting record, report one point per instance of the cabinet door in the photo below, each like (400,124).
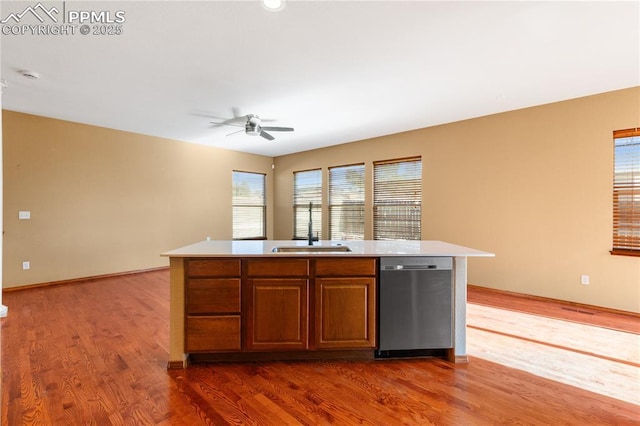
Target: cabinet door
(277,314)
(345,313)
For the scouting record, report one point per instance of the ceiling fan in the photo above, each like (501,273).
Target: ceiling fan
(253,126)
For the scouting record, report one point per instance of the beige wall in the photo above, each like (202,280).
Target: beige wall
(104,201)
(533,186)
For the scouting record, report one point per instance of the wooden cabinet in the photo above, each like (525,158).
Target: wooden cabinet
(212,333)
(286,305)
(346,267)
(277,314)
(213,305)
(345,303)
(284,267)
(277,304)
(213,267)
(345,313)
(206,296)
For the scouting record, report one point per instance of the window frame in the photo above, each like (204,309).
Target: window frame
(626,213)
(414,201)
(259,206)
(303,206)
(359,204)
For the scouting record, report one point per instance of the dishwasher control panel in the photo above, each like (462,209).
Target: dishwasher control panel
(408,263)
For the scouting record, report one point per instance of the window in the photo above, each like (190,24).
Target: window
(346,202)
(249,206)
(626,192)
(397,199)
(307,188)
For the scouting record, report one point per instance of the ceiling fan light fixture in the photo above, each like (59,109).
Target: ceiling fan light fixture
(253,127)
(273,5)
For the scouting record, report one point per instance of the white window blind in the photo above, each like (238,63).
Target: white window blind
(249,205)
(307,188)
(397,199)
(346,202)
(626,192)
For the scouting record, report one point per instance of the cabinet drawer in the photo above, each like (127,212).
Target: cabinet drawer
(216,295)
(219,333)
(331,267)
(278,267)
(213,267)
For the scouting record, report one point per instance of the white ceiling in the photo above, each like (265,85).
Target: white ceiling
(337,71)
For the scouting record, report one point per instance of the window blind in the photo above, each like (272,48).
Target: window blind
(249,205)
(346,202)
(307,188)
(397,199)
(626,192)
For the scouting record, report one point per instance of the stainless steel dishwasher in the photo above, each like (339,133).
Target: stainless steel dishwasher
(415,302)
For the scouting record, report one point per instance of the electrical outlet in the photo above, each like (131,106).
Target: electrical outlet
(26,265)
(584,279)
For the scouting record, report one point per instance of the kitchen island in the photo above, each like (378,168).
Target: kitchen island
(278,299)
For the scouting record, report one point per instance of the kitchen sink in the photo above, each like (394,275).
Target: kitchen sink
(311,249)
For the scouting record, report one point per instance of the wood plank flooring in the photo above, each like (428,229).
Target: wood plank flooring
(555,309)
(558,350)
(95,353)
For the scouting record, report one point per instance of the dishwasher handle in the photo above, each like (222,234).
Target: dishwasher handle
(390,264)
(409,267)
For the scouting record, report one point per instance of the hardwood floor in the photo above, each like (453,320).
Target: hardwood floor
(555,309)
(95,353)
(558,350)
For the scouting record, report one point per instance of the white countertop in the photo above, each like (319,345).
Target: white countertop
(218,248)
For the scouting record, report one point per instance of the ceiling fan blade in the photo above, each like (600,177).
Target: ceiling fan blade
(278,129)
(237,131)
(224,123)
(266,135)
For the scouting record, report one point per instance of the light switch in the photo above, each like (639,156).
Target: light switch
(24,214)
